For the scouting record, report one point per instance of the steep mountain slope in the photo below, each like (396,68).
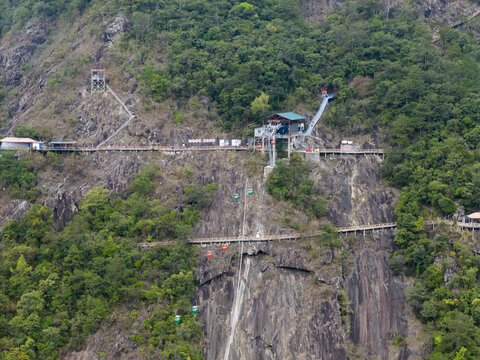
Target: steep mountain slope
(292,304)
(181,80)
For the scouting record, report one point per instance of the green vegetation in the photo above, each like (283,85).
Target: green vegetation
(247,57)
(18,176)
(329,236)
(291,183)
(345,311)
(27,132)
(250,58)
(452,309)
(18,13)
(57,287)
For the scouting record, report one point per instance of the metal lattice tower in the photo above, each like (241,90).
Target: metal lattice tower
(270,131)
(97,80)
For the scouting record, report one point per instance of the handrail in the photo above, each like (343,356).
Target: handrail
(353,151)
(230,239)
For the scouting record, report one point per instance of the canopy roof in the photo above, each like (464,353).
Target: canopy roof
(291,116)
(475,215)
(63,142)
(19,140)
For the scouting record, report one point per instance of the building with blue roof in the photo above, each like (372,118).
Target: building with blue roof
(291,116)
(291,123)
(287,125)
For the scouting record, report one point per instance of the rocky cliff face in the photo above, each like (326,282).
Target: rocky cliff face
(433,11)
(286,303)
(283,313)
(377,301)
(288,308)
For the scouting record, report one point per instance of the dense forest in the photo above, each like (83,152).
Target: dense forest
(57,287)
(250,58)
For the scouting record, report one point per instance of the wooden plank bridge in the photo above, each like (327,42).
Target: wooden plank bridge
(276,237)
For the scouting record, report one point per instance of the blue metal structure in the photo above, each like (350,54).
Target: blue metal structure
(319,113)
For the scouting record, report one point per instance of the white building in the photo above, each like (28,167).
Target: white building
(14,143)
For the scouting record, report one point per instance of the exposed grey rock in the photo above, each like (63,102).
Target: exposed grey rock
(132,88)
(440,11)
(214,268)
(336,281)
(291,259)
(35,32)
(450,265)
(377,300)
(328,257)
(116,29)
(282,315)
(459,213)
(13,211)
(12,59)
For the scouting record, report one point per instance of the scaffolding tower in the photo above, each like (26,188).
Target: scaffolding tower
(97,80)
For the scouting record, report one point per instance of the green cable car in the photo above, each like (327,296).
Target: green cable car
(194,309)
(235,196)
(177,319)
(250,191)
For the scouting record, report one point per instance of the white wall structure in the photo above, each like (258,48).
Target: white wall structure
(14,143)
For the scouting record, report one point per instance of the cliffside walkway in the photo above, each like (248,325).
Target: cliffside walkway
(90,149)
(463,225)
(456,24)
(464,20)
(344,152)
(281,237)
(296,236)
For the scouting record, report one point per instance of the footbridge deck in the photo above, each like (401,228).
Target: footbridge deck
(141,149)
(174,149)
(281,237)
(344,152)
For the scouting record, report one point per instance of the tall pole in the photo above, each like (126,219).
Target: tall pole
(270,155)
(273,150)
(289,146)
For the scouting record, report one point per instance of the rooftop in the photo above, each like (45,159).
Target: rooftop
(19,140)
(291,116)
(62,142)
(475,215)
